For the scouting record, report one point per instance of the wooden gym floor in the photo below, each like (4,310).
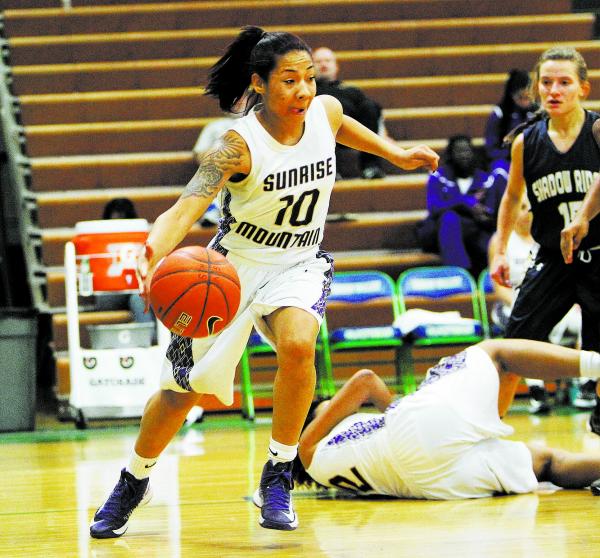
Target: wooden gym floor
(53,479)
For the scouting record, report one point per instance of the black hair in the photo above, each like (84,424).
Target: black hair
(299,474)
(517,80)
(253,51)
(120,205)
(449,161)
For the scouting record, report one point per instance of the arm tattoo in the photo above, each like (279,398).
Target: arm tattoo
(223,159)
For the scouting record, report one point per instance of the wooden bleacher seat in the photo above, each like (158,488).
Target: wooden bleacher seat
(189,102)
(104,46)
(63,208)
(87,16)
(355,64)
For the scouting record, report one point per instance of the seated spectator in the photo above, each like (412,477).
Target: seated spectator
(520,253)
(463,201)
(356,105)
(513,109)
(122,208)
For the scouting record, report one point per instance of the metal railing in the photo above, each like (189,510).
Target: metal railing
(18,187)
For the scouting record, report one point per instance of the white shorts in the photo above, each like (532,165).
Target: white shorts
(208,365)
(445,436)
(441,442)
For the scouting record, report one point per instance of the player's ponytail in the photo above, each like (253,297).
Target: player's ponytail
(535,117)
(253,51)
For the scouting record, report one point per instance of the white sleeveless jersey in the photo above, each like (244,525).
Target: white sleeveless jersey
(276,215)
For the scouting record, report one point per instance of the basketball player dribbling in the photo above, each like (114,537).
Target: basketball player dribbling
(444,442)
(274,171)
(555,159)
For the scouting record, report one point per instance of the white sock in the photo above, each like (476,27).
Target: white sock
(140,467)
(280,453)
(589,364)
(533,382)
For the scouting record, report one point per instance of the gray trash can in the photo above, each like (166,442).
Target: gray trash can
(18,366)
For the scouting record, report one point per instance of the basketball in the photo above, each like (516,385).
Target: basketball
(195,291)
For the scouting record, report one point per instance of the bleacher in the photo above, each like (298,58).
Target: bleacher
(109,97)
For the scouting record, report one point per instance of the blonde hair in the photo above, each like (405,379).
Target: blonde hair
(559,53)
(553,53)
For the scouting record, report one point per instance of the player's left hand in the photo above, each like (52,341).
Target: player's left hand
(417,157)
(571,237)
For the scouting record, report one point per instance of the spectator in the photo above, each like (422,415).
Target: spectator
(355,104)
(119,208)
(513,109)
(463,201)
(521,251)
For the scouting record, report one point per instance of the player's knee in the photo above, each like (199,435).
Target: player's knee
(296,350)
(365,375)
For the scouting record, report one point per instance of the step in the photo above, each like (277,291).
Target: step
(88,16)
(185,43)
(103,138)
(111,171)
(113,137)
(63,208)
(418,124)
(354,64)
(189,102)
(130,170)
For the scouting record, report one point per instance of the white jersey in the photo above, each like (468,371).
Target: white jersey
(442,442)
(276,215)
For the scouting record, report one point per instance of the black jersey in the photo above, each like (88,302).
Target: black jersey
(557,182)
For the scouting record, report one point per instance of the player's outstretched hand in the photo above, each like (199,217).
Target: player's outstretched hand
(571,237)
(417,157)
(500,271)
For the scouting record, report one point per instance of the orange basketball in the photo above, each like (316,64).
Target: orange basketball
(195,291)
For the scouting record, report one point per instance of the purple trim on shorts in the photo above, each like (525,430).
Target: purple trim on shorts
(447,365)
(224,225)
(179,354)
(357,431)
(319,306)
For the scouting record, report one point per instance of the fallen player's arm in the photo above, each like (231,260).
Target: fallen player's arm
(362,388)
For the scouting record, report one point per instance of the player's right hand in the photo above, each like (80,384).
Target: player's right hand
(500,270)
(571,237)
(144,274)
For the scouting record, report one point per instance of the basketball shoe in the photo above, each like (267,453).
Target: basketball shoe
(274,499)
(110,520)
(594,422)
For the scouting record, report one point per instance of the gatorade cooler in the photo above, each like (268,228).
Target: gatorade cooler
(106,251)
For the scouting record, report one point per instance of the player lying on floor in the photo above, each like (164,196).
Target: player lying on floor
(445,440)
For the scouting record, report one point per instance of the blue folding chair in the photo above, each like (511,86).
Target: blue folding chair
(439,289)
